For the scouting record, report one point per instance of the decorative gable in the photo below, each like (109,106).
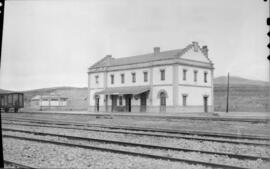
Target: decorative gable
(196,53)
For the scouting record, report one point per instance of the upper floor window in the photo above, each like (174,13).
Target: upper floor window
(122,78)
(96,79)
(145,76)
(184,74)
(162,74)
(195,75)
(205,77)
(112,79)
(184,96)
(133,77)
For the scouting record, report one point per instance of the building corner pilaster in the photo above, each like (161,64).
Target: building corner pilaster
(175,86)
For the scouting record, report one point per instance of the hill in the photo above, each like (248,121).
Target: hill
(238,81)
(244,94)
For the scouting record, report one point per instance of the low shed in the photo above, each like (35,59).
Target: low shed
(49,102)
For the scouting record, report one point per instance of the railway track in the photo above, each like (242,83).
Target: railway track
(158,117)
(11,164)
(170,131)
(130,153)
(237,156)
(145,134)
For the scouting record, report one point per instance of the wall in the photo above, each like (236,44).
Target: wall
(190,76)
(194,95)
(128,78)
(168,75)
(92,80)
(156,99)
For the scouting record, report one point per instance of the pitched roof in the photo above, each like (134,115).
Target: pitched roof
(51,95)
(163,55)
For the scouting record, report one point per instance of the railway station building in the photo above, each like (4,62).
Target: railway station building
(178,80)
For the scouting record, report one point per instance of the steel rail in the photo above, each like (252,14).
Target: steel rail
(145,134)
(131,153)
(172,131)
(21,166)
(124,143)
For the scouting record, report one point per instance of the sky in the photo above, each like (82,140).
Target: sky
(48,43)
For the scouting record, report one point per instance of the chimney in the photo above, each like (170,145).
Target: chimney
(205,50)
(108,59)
(156,50)
(195,46)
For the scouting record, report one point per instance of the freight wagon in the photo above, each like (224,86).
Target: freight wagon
(11,101)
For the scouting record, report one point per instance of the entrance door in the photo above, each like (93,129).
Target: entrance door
(143,102)
(114,103)
(106,103)
(97,103)
(162,102)
(205,103)
(128,103)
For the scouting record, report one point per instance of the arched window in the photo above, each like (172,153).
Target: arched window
(162,92)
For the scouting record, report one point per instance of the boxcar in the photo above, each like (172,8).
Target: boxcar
(11,101)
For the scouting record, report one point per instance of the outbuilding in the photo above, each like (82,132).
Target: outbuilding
(49,102)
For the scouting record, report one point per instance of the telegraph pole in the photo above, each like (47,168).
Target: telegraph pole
(228,87)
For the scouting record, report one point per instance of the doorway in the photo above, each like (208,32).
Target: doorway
(97,103)
(143,102)
(162,102)
(128,103)
(114,103)
(205,103)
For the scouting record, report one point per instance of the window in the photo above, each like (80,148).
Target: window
(54,99)
(112,79)
(96,79)
(162,74)
(145,76)
(133,77)
(122,78)
(205,77)
(184,74)
(120,101)
(184,99)
(195,75)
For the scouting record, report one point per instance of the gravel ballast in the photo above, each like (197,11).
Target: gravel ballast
(43,155)
(176,154)
(172,142)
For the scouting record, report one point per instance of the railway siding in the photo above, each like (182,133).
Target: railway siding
(180,143)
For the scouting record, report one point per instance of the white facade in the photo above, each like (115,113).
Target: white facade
(183,78)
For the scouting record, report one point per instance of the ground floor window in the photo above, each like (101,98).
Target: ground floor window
(184,99)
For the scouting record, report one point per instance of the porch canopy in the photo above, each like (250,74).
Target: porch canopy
(134,90)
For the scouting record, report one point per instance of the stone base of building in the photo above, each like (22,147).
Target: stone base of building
(156,109)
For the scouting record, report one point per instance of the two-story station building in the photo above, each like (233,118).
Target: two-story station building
(178,80)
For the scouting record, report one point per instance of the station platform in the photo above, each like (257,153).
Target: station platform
(204,116)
